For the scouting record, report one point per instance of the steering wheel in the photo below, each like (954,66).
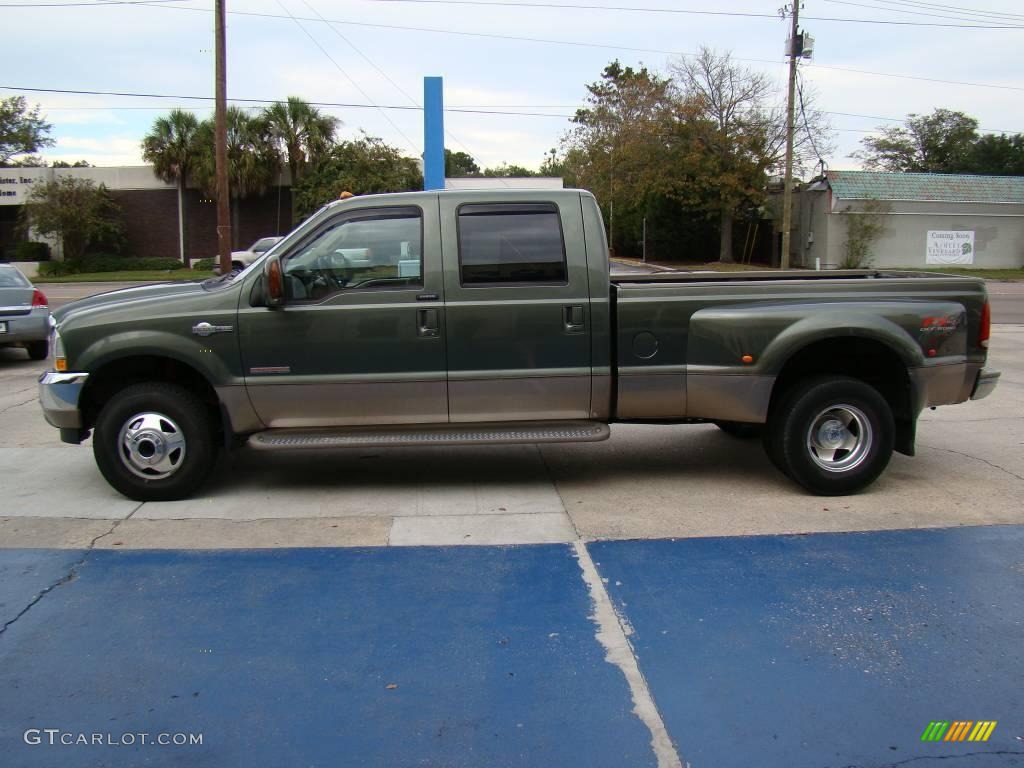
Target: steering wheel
(326,272)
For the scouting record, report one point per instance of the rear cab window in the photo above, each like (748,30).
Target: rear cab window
(511,244)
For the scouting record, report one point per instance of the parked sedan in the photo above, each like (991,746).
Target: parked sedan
(24,314)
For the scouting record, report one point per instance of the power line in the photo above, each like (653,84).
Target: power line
(101,2)
(583,44)
(462,109)
(961,9)
(636,9)
(359,88)
(919,11)
(332,104)
(580,6)
(385,75)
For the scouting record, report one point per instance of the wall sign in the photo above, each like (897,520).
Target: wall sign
(949,247)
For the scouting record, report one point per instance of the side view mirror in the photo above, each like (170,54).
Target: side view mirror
(273,278)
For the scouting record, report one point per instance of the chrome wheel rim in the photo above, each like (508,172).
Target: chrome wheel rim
(151,446)
(839,438)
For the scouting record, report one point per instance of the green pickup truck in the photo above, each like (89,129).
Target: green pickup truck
(445,318)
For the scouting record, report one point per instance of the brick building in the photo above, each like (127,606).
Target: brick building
(150,209)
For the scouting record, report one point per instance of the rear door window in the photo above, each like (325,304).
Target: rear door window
(511,243)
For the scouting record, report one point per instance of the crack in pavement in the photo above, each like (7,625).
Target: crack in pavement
(554,485)
(71,571)
(939,757)
(976,458)
(18,405)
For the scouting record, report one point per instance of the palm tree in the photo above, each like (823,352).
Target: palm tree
(302,133)
(252,159)
(171,147)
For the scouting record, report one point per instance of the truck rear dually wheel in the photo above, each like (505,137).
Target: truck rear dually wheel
(832,435)
(154,442)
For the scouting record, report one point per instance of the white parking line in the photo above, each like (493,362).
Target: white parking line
(612,635)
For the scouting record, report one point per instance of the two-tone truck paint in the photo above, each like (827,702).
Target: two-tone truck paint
(442,318)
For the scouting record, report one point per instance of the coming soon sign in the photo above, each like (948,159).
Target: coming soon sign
(949,247)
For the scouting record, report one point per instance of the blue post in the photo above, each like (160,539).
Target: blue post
(433,133)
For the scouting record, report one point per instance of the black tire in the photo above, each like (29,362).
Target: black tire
(37,350)
(833,435)
(168,415)
(741,430)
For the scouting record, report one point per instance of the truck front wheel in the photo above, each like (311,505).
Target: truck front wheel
(832,435)
(155,442)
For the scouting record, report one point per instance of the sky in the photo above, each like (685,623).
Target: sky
(376,53)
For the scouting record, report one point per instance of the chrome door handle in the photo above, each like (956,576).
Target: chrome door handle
(572,317)
(427,324)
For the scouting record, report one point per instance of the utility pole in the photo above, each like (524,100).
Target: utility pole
(220,130)
(787,190)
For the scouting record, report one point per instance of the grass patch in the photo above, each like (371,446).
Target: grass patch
(177,275)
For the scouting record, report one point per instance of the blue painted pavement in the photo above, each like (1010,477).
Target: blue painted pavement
(825,651)
(288,658)
(829,650)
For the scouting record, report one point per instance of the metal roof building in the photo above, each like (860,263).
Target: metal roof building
(930,220)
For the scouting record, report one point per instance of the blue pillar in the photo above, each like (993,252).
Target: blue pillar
(433,133)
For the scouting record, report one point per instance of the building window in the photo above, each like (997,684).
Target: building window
(511,243)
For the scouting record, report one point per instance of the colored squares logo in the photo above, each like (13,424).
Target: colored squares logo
(958,730)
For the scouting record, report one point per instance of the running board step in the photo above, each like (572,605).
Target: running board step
(433,434)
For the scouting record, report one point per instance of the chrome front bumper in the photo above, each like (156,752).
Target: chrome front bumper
(58,395)
(985,383)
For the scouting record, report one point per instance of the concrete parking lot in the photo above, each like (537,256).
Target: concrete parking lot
(647,481)
(665,598)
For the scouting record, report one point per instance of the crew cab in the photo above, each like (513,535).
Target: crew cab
(441,318)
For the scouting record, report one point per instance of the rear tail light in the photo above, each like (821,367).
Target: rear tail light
(39,299)
(986,325)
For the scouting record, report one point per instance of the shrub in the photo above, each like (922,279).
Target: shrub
(862,231)
(105,262)
(29,251)
(53,269)
(205,264)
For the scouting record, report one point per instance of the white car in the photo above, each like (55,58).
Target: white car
(242,259)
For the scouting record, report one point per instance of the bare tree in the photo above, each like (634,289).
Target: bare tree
(742,132)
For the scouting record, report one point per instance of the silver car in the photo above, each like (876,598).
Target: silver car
(24,314)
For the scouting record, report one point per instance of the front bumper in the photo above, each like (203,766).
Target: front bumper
(58,395)
(985,383)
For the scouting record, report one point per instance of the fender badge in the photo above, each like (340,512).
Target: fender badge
(205,329)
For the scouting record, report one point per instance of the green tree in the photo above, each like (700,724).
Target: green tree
(22,130)
(941,142)
(171,146)
(77,212)
(303,135)
(997,155)
(65,164)
(459,164)
(362,166)
(506,170)
(617,147)
(252,160)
